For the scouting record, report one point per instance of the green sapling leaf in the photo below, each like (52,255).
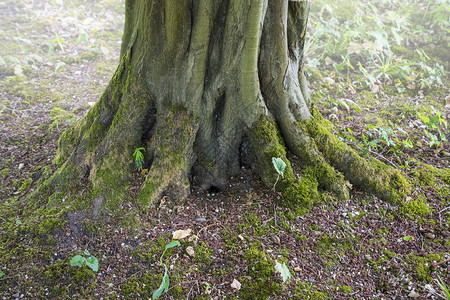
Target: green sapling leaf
(92,262)
(279,165)
(86,252)
(77,260)
(173,244)
(160,290)
(166,282)
(1,274)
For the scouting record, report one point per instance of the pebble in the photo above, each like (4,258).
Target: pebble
(21,166)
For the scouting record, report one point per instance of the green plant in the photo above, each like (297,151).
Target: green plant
(279,166)
(408,238)
(434,123)
(164,286)
(445,290)
(79,260)
(138,158)
(1,273)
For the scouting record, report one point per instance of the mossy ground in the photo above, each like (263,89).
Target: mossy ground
(334,249)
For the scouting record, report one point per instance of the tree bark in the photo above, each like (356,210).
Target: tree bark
(204,85)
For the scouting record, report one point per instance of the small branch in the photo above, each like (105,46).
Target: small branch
(440,263)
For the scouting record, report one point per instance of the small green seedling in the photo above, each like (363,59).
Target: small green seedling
(164,286)
(91,261)
(1,273)
(279,166)
(138,158)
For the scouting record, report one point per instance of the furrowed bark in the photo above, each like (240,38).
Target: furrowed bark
(203,85)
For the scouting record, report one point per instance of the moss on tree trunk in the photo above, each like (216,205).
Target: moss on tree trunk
(200,84)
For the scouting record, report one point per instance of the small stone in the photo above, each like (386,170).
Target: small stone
(430,236)
(21,166)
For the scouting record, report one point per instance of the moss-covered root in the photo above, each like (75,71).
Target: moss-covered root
(372,175)
(298,194)
(171,148)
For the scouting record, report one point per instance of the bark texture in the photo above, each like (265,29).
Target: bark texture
(204,85)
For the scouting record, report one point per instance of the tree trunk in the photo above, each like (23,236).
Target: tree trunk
(204,85)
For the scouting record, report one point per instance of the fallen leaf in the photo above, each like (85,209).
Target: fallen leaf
(297,269)
(236,285)
(283,270)
(190,251)
(328,61)
(181,234)
(144,171)
(447,100)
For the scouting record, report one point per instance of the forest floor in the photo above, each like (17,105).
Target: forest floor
(56,58)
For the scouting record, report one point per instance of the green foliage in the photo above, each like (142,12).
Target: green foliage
(90,261)
(1,274)
(138,158)
(373,35)
(445,290)
(279,166)
(164,286)
(434,123)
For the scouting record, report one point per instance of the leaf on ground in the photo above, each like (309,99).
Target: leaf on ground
(236,285)
(283,270)
(181,234)
(1,274)
(190,251)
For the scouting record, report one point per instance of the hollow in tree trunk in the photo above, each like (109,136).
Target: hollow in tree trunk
(203,85)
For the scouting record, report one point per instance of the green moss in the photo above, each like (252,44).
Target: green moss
(304,290)
(172,147)
(26,184)
(422,265)
(61,278)
(416,209)
(345,289)
(261,284)
(203,253)
(301,195)
(372,176)
(48,225)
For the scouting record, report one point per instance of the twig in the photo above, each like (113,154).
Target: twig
(196,237)
(440,263)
